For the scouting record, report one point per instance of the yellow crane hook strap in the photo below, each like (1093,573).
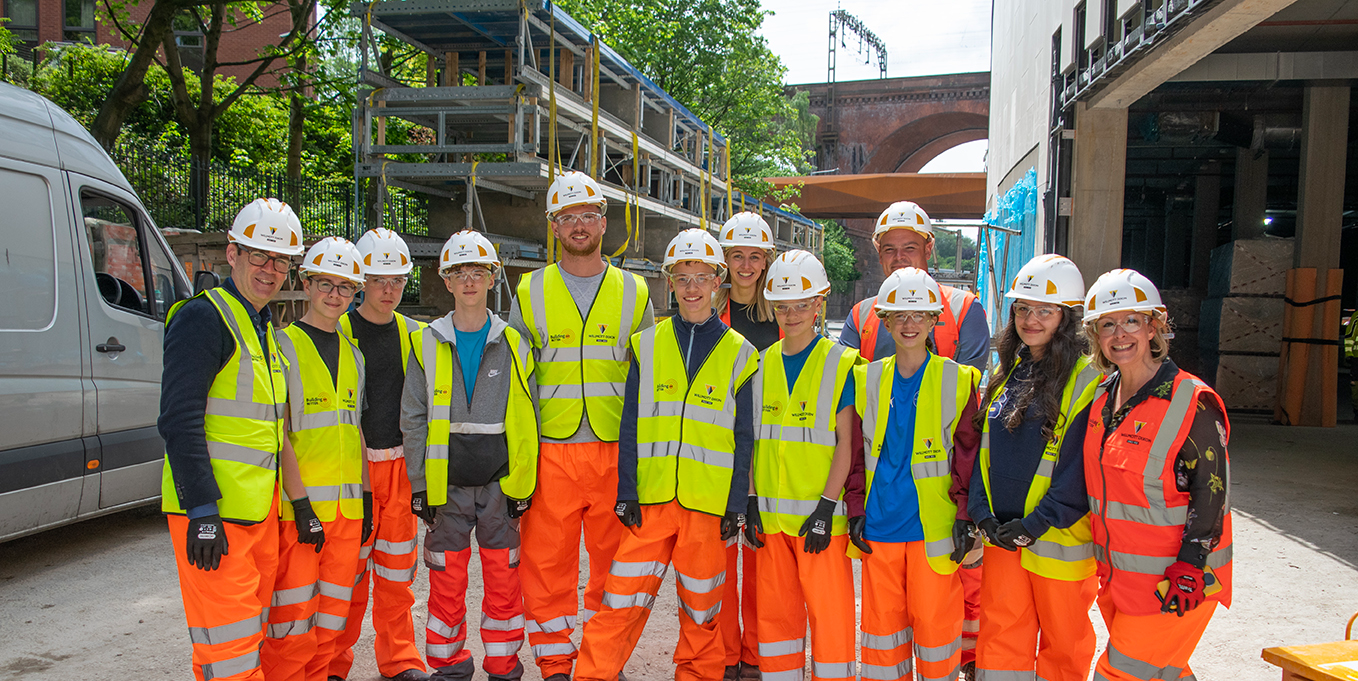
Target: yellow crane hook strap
(630,197)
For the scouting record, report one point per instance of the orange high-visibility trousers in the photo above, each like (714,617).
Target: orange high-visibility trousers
(693,541)
(393,558)
(795,585)
(1150,646)
(901,594)
(577,488)
(737,604)
(310,600)
(226,608)
(1030,622)
(971,607)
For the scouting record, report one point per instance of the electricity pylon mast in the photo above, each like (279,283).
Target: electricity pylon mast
(869,45)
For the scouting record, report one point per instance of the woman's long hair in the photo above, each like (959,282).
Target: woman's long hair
(1049,377)
(762,310)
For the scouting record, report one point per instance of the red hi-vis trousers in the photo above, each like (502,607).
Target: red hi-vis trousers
(1030,622)
(737,603)
(310,600)
(793,585)
(577,488)
(901,595)
(226,608)
(1150,646)
(392,553)
(693,541)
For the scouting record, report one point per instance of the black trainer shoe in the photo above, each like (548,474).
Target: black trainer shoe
(412,675)
(749,672)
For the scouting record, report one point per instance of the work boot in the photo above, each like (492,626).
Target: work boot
(749,672)
(412,675)
(558,677)
(968,672)
(461,671)
(732,672)
(335,678)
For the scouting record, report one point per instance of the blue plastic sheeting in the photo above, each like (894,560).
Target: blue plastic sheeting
(1016,210)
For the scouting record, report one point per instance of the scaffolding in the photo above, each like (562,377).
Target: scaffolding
(549,96)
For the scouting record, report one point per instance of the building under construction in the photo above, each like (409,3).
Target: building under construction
(549,96)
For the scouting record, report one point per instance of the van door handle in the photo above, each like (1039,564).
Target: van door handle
(111,346)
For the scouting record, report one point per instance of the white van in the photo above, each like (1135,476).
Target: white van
(86,280)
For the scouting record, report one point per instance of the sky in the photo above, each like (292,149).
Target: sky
(922,37)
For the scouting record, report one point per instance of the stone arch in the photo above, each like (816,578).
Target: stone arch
(916,143)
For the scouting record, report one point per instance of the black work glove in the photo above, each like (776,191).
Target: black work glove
(963,539)
(518,507)
(207,542)
(990,529)
(1014,534)
(309,529)
(730,524)
(367,516)
(629,512)
(816,529)
(754,525)
(419,505)
(856,525)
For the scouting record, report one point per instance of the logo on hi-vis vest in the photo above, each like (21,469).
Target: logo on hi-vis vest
(317,401)
(441,391)
(801,414)
(773,410)
(669,387)
(603,336)
(1137,426)
(928,444)
(563,337)
(707,395)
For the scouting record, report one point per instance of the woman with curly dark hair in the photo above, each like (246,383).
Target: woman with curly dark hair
(1027,494)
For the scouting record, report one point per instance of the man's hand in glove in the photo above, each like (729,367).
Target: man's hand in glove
(754,525)
(419,505)
(730,524)
(856,525)
(207,542)
(816,529)
(518,507)
(1013,534)
(629,512)
(367,516)
(309,529)
(963,539)
(990,529)
(1186,585)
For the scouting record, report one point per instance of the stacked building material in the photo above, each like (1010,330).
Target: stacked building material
(1241,321)
(1184,307)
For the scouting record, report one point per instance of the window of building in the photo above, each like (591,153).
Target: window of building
(79,21)
(23,19)
(1081,54)
(188,36)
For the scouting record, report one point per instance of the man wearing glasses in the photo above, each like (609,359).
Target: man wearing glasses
(578,315)
(222,403)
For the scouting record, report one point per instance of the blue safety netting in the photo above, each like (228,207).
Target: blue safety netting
(1001,254)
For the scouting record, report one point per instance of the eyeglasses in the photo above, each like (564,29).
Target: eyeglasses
(1043,313)
(1131,324)
(916,317)
(578,218)
(476,274)
(793,308)
(281,263)
(388,282)
(325,286)
(686,280)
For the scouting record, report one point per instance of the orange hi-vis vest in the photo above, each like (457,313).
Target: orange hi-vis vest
(956,304)
(1138,512)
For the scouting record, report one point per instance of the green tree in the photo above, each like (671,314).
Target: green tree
(7,41)
(841,260)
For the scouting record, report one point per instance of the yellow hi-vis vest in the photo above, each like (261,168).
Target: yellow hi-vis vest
(243,421)
(514,421)
(795,441)
(686,439)
(1064,554)
(582,363)
(323,425)
(405,326)
(943,394)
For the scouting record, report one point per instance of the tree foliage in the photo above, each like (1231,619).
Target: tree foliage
(841,261)
(946,250)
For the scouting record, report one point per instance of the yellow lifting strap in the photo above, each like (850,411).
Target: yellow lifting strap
(553,154)
(730,204)
(629,197)
(595,163)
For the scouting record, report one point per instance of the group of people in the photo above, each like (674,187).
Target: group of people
(989,516)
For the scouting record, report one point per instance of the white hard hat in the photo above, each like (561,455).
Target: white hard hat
(904,215)
(335,256)
(907,290)
(267,225)
(694,245)
(468,247)
(384,253)
(1122,291)
(1050,279)
(796,275)
(574,188)
(747,229)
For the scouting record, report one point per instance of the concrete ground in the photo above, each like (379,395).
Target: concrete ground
(100,599)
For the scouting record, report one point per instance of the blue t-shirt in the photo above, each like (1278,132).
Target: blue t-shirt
(792,368)
(893,506)
(470,346)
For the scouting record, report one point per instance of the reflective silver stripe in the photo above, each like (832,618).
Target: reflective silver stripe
(551,626)
(873,374)
(1166,516)
(1045,467)
(877,672)
(1141,670)
(537,297)
(1062,552)
(948,404)
(701,414)
(365,551)
(1004,675)
(700,617)
(1156,565)
(293,628)
(225,451)
(938,547)
(938,653)
(443,651)
(353,490)
(930,469)
(232,666)
(970,626)
(797,434)
(701,586)
(329,590)
(662,408)
(646,402)
(950,676)
(649,568)
(224,633)
(606,353)
(832,670)
(434,559)
(324,419)
(651,450)
(825,394)
(636,600)
(245,378)
(242,409)
(887,641)
(800,507)
(789,675)
(326,620)
(585,614)
(436,452)
(576,391)
(392,548)
(393,574)
(295,595)
(515,622)
(629,307)
(437,626)
(791,646)
(498,649)
(477,428)
(709,457)
(542,651)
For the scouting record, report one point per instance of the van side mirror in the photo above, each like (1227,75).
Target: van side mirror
(204,280)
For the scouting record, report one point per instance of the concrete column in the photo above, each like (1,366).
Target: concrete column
(1098,182)
(1251,194)
(1206,205)
(1320,195)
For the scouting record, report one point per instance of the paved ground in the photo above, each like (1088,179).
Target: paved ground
(101,600)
